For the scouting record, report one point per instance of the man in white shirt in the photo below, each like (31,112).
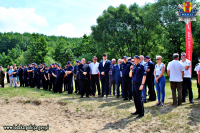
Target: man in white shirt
(197,69)
(94,71)
(175,71)
(187,84)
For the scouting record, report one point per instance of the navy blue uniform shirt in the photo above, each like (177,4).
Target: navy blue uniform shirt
(71,68)
(125,68)
(25,73)
(30,73)
(151,67)
(138,73)
(60,73)
(35,70)
(20,72)
(46,72)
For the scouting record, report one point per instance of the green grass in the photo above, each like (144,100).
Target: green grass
(185,118)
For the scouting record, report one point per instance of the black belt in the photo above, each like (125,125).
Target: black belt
(137,83)
(94,74)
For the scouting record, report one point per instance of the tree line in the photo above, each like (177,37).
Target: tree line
(152,29)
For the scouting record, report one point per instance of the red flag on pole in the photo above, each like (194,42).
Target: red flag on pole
(189,43)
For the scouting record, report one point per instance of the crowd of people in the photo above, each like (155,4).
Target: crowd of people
(131,75)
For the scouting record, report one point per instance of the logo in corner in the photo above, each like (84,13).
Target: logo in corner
(187,12)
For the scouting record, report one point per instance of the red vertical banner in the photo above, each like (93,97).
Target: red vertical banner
(189,43)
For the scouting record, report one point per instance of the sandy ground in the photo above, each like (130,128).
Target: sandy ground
(55,114)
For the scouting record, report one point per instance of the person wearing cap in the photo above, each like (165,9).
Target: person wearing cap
(69,72)
(7,76)
(35,75)
(104,67)
(187,84)
(65,79)
(160,80)
(54,79)
(111,78)
(47,78)
(25,76)
(51,76)
(42,73)
(94,71)
(126,80)
(75,76)
(196,69)
(78,80)
(142,62)
(150,79)
(138,74)
(20,74)
(175,71)
(30,75)
(39,76)
(2,76)
(59,74)
(84,71)
(117,75)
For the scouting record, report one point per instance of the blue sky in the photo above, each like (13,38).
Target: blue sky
(70,18)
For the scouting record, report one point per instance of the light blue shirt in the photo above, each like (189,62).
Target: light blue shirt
(10,72)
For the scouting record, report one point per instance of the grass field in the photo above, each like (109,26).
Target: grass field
(99,114)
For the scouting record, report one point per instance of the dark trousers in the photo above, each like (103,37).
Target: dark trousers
(2,83)
(70,85)
(47,85)
(198,86)
(43,82)
(119,83)
(58,83)
(38,81)
(105,85)
(76,85)
(35,80)
(178,86)
(21,81)
(111,83)
(54,86)
(65,84)
(127,87)
(8,81)
(30,80)
(84,84)
(138,98)
(51,82)
(187,85)
(95,83)
(150,84)
(26,81)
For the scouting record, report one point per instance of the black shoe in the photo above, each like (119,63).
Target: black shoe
(134,113)
(117,97)
(139,116)
(88,97)
(191,101)
(122,96)
(125,99)
(198,98)
(106,96)
(102,95)
(183,101)
(81,97)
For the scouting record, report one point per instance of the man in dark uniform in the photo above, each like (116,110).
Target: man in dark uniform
(75,76)
(8,68)
(54,78)
(51,76)
(39,76)
(150,79)
(35,75)
(84,71)
(30,75)
(59,74)
(126,80)
(43,79)
(78,80)
(46,77)
(104,67)
(90,82)
(65,79)
(69,72)
(138,74)
(20,73)
(25,74)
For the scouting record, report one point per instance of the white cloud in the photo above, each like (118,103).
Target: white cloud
(20,20)
(66,29)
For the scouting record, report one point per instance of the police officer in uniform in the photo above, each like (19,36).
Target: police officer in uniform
(84,71)
(42,73)
(69,72)
(54,78)
(35,75)
(30,75)
(138,74)
(39,76)
(59,74)
(75,76)
(78,80)
(51,76)
(25,75)
(65,79)
(46,77)
(126,80)
(150,79)
(20,74)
